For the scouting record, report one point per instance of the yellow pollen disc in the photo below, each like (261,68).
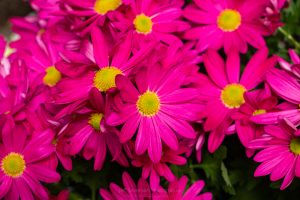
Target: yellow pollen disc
(105,78)
(104,6)
(148,104)
(143,24)
(13,165)
(95,120)
(259,112)
(232,95)
(295,146)
(52,76)
(229,20)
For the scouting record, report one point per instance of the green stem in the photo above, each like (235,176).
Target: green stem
(93,194)
(290,38)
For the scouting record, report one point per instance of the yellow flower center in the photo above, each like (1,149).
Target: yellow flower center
(148,104)
(13,165)
(229,20)
(52,76)
(295,146)
(95,120)
(259,112)
(232,95)
(143,24)
(104,6)
(105,78)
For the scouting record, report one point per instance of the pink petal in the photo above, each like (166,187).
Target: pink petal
(193,191)
(142,139)
(100,48)
(233,67)
(155,145)
(215,67)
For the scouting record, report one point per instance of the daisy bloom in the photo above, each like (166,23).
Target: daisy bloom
(257,102)
(98,67)
(286,86)
(153,20)
(91,13)
(195,145)
(158,109)
(279,155)
(229,24)
(131,190)
(294,68)
(160,169)
(223,91)
(22,170)
(176,191)
(91,134)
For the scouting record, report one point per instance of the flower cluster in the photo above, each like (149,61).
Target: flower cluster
(143,83)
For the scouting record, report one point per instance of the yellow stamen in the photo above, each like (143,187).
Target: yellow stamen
(259,112)
(13,165)
(295,146)
(52,76)
(104,6)
(143,24)
(95,120)
(105,78)
(232,95)
(229,20)
(148,104)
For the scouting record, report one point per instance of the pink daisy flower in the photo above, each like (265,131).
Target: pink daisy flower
(141,191)
(22,169)
(176,191)
(159,109)
(131,191)
(223,91)
(154,171)
(257,102)
(90,133)
(229,24)
(279,156)
(272,17)
(286,86)
(42,119)
(294,68)
(91,13)
(150,20)
(98,68)
(195,145)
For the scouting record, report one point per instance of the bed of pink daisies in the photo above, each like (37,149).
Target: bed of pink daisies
(146,84)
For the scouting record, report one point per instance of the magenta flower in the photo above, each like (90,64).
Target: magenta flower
(159,108)
(131,191)
(22,168)
(223,91)
(257,102)
(286,86)
(90,133)
(195,145)
(279,156)
(294,67)
(91,13)
(176,191)
(227,24)
(272,15)
(151,20)
(98,67)
(154,171)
